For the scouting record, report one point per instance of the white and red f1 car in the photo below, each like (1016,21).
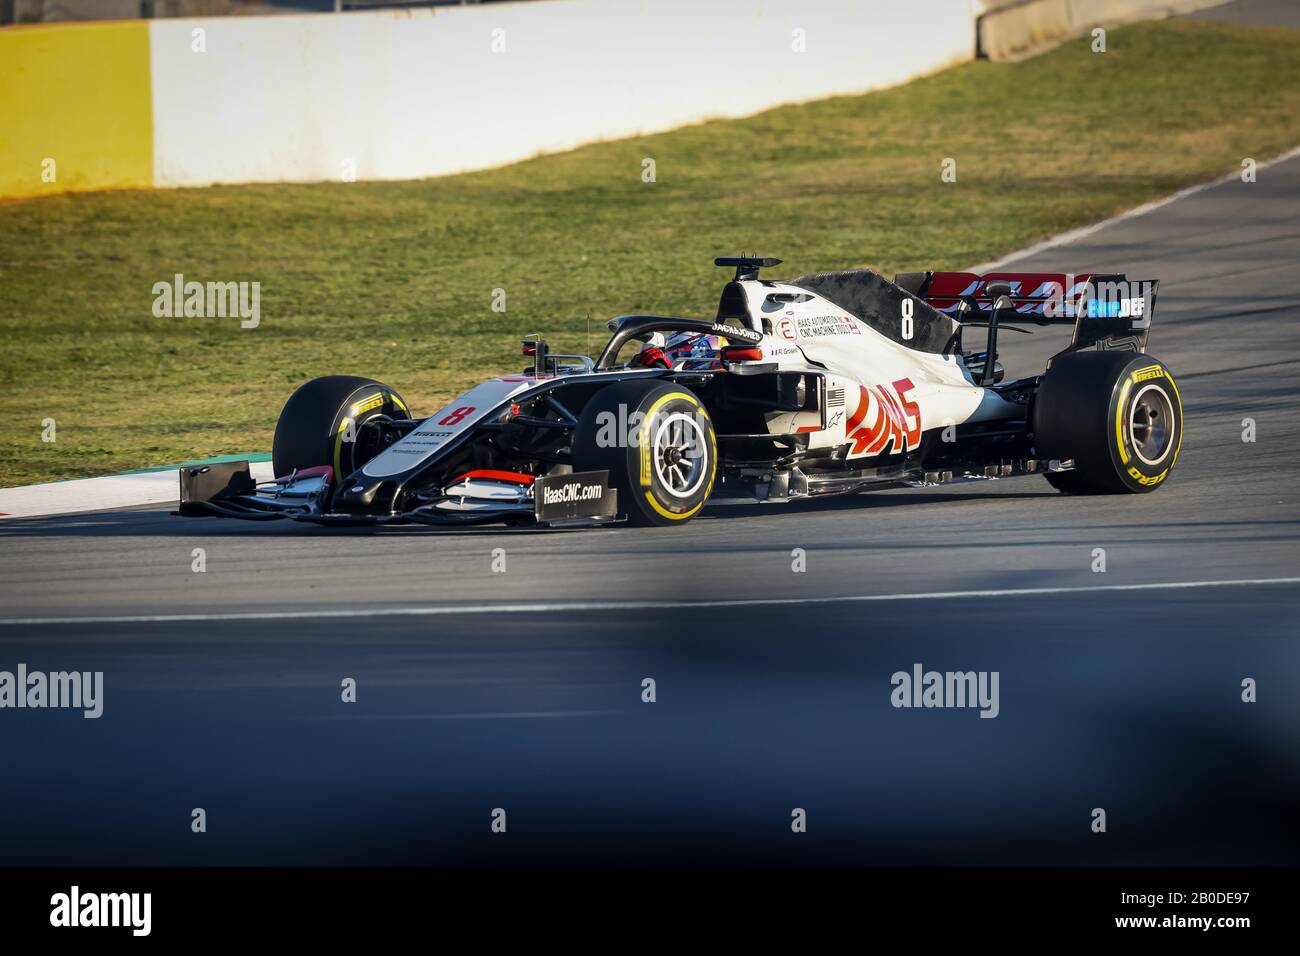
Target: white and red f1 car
(827,384)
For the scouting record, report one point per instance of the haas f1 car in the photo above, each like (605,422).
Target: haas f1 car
(827,384)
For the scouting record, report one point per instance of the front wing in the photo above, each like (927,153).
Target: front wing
(227,490)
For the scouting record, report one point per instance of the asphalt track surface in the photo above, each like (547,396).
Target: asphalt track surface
(222,688)
(1254,13)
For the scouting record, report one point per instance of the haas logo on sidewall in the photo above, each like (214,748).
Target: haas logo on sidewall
(884,419)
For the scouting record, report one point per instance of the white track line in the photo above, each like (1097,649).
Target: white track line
(499,715)
(1074,235)
(586,606)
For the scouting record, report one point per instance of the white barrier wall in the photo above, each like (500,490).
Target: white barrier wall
(420,93)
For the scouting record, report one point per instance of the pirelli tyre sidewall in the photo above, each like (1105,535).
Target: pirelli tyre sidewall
(321,422)
(1117,414)
(664,459)
(1148,405)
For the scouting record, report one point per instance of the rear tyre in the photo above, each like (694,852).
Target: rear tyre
(1117,414)
(658,445)
(321,424)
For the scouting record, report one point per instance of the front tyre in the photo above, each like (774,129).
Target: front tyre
(658,444)
(1117,414)
(323,424)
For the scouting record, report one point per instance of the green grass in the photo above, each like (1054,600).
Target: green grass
(395,280)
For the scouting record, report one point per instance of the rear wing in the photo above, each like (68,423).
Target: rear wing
(1108,311)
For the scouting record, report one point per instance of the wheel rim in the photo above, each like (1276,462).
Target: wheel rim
(680,455)
(1151,424)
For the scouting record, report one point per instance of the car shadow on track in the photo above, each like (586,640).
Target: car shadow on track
(152,522)
(867,501)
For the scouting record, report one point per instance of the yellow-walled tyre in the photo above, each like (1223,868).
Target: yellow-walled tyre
(657,442)
(1118,415)
(321,424)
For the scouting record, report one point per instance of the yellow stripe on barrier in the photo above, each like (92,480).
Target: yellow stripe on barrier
(75,108)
